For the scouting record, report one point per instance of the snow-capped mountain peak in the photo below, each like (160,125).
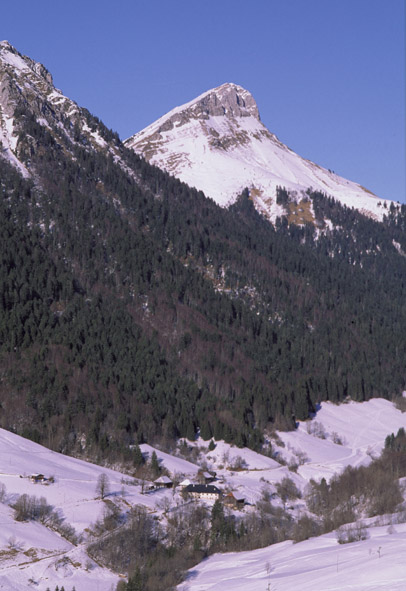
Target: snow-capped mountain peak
(218,144)
(228,99)
(18,62)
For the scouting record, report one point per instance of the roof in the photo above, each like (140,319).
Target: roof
(185,482)
(203,488)
(163,480)
(237,496)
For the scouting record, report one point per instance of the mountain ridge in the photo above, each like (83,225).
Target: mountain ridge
(225,148)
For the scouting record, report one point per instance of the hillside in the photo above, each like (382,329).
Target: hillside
(314,565)
(135,309)
(67,542)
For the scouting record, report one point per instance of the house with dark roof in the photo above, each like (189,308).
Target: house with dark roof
(203,491)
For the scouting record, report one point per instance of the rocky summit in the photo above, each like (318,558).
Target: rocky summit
(218,144)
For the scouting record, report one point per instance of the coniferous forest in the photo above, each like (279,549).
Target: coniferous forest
(134,309)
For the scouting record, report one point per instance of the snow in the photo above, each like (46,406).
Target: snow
(362,428)
(8,143)
(318,564)
(257,160)
(30,550)
(173,464)
(13,59)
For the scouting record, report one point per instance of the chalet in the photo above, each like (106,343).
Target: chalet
(163,482)
(234,500)
(203,491)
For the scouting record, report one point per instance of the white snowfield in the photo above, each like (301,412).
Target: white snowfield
(318,564)
(362,428)
(32,552)
(173,464)
(224,153)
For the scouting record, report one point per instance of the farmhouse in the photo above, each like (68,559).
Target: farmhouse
(203,491)
(234,500)
(163,482)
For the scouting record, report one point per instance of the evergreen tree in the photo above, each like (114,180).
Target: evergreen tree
(154,465)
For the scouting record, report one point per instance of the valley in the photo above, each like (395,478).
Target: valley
(37,552)
(194,312)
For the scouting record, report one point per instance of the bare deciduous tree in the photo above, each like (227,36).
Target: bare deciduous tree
(103,485)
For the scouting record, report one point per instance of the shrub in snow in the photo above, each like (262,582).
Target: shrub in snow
(354,532)
(238,463)
(315,428)
(337,439)
(31,507)
(305,528)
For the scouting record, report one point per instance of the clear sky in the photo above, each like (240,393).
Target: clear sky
(328,75)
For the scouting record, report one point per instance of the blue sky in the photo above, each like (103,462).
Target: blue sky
(328,75)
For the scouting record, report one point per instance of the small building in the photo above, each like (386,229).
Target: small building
(182,485)
(234,500)
(203,491)
(163,482)
(37,478)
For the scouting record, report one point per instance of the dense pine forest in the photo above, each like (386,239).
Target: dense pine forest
(135,309)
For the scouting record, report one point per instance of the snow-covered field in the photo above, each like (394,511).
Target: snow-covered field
(353,432)
(318,564)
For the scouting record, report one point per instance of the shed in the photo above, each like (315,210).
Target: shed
(163,482)
(235,500)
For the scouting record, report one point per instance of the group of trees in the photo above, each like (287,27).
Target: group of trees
(364,491)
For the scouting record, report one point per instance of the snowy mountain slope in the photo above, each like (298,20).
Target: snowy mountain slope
(171,463)
(218,144)
(33,556)
(338,436)
(317,564)
(320,563)
(32,551)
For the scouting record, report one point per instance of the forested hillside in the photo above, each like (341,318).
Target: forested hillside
(133,308)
